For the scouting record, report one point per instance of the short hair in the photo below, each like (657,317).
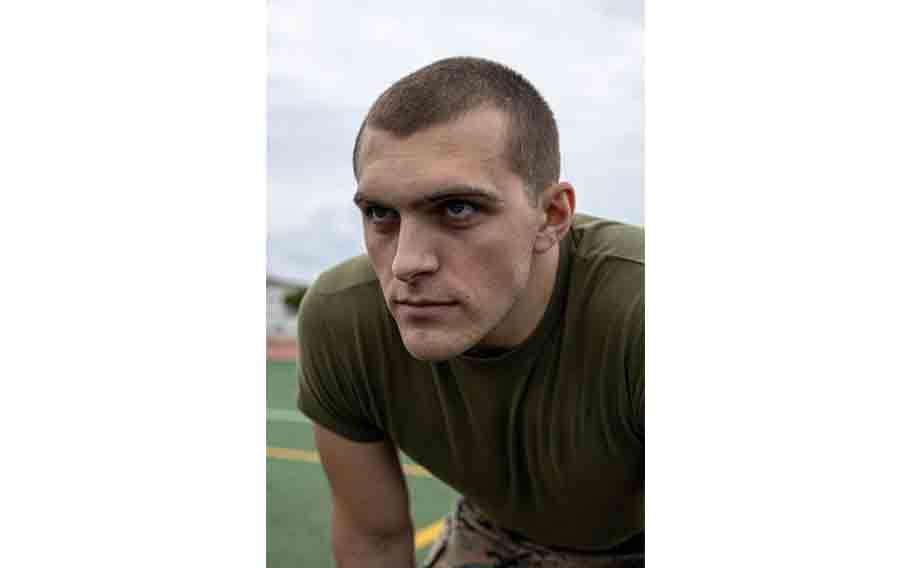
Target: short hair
(448,89)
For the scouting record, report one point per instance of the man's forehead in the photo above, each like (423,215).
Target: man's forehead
(481,134)
(409,179)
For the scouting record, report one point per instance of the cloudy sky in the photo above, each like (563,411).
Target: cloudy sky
(328,61)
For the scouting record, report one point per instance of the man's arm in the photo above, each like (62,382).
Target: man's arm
(371,521)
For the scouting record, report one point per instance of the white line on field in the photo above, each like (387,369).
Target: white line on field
(283,415)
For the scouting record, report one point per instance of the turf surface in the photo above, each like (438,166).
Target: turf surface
(297,493)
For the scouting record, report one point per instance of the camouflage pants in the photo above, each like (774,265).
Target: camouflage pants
(470,541)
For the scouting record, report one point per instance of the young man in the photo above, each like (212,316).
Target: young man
(489,333)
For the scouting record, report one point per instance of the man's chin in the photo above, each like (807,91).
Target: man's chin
(433,352)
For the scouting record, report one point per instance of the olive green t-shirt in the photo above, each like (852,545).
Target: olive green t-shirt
(548,438)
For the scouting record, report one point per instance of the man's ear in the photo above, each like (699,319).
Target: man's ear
(557,207)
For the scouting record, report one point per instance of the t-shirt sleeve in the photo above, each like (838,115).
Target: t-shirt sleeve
(637,384)
(332,389)
(634,325)
(636,374)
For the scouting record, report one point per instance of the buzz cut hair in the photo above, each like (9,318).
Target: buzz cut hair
(448,89)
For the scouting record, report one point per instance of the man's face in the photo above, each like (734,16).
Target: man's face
(450,232)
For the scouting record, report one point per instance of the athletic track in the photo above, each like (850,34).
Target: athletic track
(281,348)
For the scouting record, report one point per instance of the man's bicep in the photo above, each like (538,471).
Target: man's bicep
(368,488)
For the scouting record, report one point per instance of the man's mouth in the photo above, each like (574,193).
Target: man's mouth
(422,303)
(421,309)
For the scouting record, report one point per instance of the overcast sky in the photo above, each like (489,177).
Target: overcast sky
(328,61)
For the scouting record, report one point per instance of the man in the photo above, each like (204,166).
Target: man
(489,333)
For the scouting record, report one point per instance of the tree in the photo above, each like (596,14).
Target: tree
(293,297)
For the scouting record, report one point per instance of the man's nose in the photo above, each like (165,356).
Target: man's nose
(414,255)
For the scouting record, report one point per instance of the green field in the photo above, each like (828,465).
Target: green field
(297,493)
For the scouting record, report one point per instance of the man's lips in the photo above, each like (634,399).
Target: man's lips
(421,303)
(421,308)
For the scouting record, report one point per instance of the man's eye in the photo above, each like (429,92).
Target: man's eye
(381,214)
(459,209)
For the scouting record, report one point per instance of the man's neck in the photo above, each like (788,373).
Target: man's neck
(487,352)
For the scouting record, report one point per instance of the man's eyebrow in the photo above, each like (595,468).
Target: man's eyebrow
(441,194)
(455,191)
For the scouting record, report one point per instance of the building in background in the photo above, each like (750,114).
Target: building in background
(281,320)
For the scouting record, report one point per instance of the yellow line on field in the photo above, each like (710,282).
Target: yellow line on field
(293,454)
(424,536)
(428,534)
(415,470)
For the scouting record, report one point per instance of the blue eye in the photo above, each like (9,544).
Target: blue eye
(460,209)
(377,213)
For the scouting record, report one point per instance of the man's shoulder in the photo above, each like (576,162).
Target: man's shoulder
(348,287)
(346,277)
(607,282)
(601,238)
